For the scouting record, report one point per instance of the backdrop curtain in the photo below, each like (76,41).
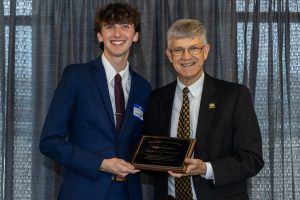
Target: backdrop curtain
(253,42)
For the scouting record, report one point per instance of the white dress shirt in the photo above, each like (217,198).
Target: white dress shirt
(110,76)
(195,95)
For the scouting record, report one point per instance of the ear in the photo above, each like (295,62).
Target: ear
(169,54)
(136,37)
(206,51)
(99,37)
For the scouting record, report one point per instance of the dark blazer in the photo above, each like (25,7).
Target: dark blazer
(227,135)
(79,131)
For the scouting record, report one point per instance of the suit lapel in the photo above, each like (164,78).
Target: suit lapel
(101,83)
(165,108)
(130,102)
(207,109)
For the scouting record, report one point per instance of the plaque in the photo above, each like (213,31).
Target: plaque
(156,153)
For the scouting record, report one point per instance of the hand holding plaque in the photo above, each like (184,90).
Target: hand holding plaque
(156,153)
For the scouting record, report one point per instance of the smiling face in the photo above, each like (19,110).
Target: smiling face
(117,39)
(189,67)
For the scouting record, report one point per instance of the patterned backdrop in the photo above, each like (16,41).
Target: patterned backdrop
(254,42)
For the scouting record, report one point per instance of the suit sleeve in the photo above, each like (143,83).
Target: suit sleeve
(54,143)
(246,159)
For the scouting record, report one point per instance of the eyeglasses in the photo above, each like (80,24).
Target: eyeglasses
(193,50)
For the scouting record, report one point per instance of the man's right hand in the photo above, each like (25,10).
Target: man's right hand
(195,167)
(118,167)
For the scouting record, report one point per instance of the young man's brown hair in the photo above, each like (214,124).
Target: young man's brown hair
(117,13)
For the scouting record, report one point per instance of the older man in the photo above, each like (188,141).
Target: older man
(219,114)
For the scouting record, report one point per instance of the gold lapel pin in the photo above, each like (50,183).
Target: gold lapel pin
(211,105)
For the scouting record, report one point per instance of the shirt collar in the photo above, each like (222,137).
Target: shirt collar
(195,88)
(111,72)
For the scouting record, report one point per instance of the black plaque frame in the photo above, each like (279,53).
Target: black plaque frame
(157,153)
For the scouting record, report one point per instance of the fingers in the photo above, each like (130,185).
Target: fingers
(129,168)
(188,161)
(128,165)
(195,167)
(190,166)
(118,167)
(177,175)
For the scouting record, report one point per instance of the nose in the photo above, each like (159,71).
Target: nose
(186,54)
(117,32)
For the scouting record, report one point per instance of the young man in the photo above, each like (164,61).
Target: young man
(95,118)
(219,114)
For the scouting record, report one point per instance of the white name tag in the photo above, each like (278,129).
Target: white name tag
(138,111)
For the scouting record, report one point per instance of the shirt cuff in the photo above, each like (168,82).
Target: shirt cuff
(209,172)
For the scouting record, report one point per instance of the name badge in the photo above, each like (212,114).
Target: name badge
(138,111)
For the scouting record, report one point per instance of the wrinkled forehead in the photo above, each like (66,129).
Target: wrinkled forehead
(184,40)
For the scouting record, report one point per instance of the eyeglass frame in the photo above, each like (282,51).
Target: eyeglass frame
(190,49)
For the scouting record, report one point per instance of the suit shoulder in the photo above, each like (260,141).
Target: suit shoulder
(142,82)
(79,67)
(164,90)
(227,85)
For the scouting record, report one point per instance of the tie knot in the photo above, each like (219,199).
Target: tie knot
(185,90)
(118,78)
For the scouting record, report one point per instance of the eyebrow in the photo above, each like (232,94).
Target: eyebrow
(194,45)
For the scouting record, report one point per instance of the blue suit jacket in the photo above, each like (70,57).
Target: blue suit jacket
(79,131)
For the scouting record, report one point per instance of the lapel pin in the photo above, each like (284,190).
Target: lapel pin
(211,105)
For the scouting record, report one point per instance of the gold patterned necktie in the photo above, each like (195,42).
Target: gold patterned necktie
(183,188)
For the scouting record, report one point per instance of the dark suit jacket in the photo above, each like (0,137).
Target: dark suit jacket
(79,131)
(227,135)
